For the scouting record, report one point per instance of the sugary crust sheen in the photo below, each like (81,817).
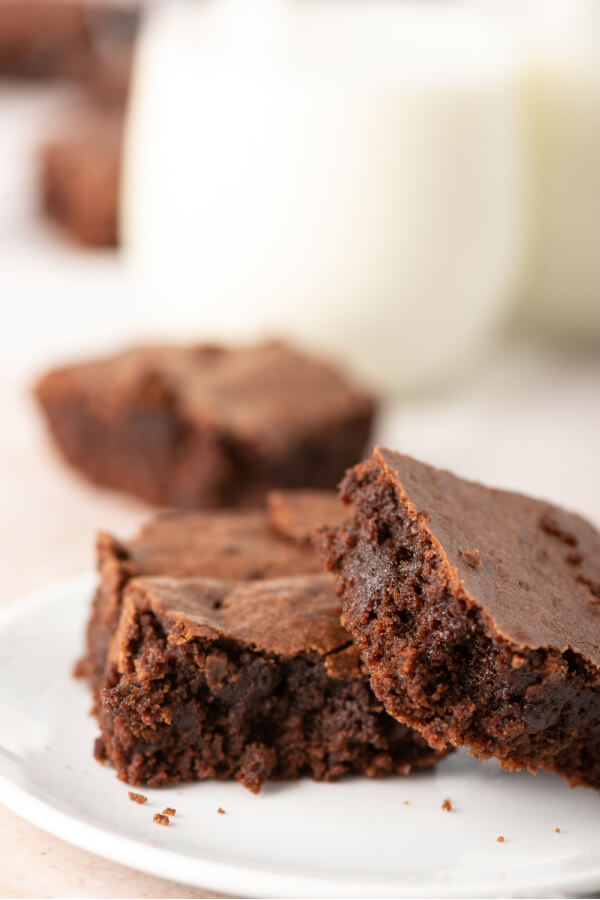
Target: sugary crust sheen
(206,426)
(476,612)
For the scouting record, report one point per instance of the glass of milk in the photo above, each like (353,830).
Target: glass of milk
(345,174)
(561,288)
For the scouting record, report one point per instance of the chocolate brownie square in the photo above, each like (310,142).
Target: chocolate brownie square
(477,613)
(205,425)
(252,681)
(241,545)
(80,174)
(215,650)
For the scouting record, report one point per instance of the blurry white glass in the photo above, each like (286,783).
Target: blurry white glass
(561,290)
(345,173)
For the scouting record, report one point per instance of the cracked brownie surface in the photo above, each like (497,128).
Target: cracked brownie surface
(476,612)
(240,545)
(216,650)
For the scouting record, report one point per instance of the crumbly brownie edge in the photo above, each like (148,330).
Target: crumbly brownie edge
(115,568)
(186,710)
(436,660)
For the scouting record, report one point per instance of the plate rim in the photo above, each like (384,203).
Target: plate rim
(235,878)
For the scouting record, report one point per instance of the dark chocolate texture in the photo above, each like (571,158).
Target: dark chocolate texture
(256,681)
(475,611)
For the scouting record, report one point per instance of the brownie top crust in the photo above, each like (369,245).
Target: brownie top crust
(288,617)
(297,515)
(264,396)
(228,546)
(532,568)
(232,546)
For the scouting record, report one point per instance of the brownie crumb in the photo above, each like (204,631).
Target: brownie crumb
(169,811)
(500,839)
(137,798)
(557,830)
(550,525)
(221,811)
(471,557)
(447,805)
(160,819)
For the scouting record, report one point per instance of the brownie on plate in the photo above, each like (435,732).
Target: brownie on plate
(205,425)
(477,613)
(240,545)
(254,681)
(215,649)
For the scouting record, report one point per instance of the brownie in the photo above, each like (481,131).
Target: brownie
(70,39)
(240,545)
(477,613)
(252,681)
(206,425)
(297,515)
(80,174)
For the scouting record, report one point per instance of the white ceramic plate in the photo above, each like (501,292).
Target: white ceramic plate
(354,838)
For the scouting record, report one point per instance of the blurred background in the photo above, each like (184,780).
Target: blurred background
(411,189)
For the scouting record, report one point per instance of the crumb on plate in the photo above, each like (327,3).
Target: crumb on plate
(160,819)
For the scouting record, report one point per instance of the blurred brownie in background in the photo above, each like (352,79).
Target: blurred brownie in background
(80,171)
(90,44)
(205,425)
(63,38)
